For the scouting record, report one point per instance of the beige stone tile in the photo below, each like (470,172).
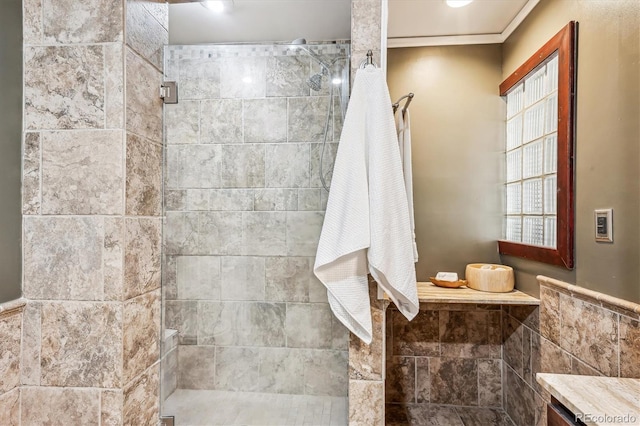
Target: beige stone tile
(365,33)
(84,21)
(550,314)
(483,417)
(220,233)
(423,385)
(264,233)
(580,368)
(182,122)
(279,199)
(111,408)
(82,172)
(10,408)
(144,106)
(306,119)
(233,72)
(265,120)
(242,324)
(400,382)
(141,334)
(513,344)
(303,232)
(325,372)
(112,257)
(198,277)
(145,34)
(11,332)
(453,381)
(490,383)
(470,334)
(196,367)
(182,315)
(199,78)
(141,398)
(114,85)
(31,342)
(31,196)
(142,256)
(74,99)
(287,76)
(287,279)
(244,278)
(220,121)
(81,344)
(366,361)
(629,347)
(60,406)
(418,337)
(144,177)
(63,258)
(32,21)
(585,326)
(243,166)
(237,369)
(366,403)
(282,370)
(308,325)
(519,399)
(169,368)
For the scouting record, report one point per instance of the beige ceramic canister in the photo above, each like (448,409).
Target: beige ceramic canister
(489,277)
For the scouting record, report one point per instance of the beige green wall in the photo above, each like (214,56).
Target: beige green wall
(457,139)
(607,137)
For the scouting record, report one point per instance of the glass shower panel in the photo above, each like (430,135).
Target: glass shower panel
(244,206)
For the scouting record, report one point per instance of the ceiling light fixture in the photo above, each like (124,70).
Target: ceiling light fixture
(458,3)
(216,6)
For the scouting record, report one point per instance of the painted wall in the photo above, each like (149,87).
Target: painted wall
(607,137)
(457,140)
(10,149)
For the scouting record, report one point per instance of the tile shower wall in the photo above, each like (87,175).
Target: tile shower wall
(92,205)
(573,332)
(10,346)
(244,209)
(448,355)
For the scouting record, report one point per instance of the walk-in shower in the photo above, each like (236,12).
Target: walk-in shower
(254,340)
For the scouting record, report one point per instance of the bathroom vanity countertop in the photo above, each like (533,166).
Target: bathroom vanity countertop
(427,292)
(597,396)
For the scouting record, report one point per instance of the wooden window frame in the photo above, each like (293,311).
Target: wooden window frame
(565,44)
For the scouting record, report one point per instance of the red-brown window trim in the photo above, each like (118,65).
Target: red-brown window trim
(564,43)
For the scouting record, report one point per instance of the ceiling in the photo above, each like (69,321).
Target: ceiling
(411,22)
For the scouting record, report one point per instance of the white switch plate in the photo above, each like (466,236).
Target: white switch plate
(604,225)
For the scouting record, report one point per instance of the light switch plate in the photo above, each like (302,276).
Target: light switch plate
(604,225)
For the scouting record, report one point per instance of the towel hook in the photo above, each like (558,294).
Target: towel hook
(368,60)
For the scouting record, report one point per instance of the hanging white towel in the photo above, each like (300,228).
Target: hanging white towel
(404,142)
(367,227)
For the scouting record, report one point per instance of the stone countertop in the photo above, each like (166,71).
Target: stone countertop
(427,292)
(603,398)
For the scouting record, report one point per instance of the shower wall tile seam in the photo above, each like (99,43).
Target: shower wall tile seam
(146,139)
(146,60)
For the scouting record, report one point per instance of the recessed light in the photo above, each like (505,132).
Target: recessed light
(458,3)
(216,6)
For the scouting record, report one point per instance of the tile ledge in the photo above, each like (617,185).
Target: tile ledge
(12,307)
(595,295)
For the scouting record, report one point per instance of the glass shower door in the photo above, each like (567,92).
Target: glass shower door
(249,335)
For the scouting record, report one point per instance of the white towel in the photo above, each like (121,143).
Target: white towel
(367,227)
(404,142)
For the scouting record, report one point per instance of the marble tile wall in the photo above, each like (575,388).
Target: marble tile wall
(448,355)
(244,209)
(573,332)
(367,362)
(92,207)
(10,363)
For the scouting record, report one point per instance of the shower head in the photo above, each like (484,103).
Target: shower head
(315,82)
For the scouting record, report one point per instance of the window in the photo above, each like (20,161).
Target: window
(539,95)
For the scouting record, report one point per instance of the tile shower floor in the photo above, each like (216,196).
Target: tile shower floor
(441,415)
(209,407)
